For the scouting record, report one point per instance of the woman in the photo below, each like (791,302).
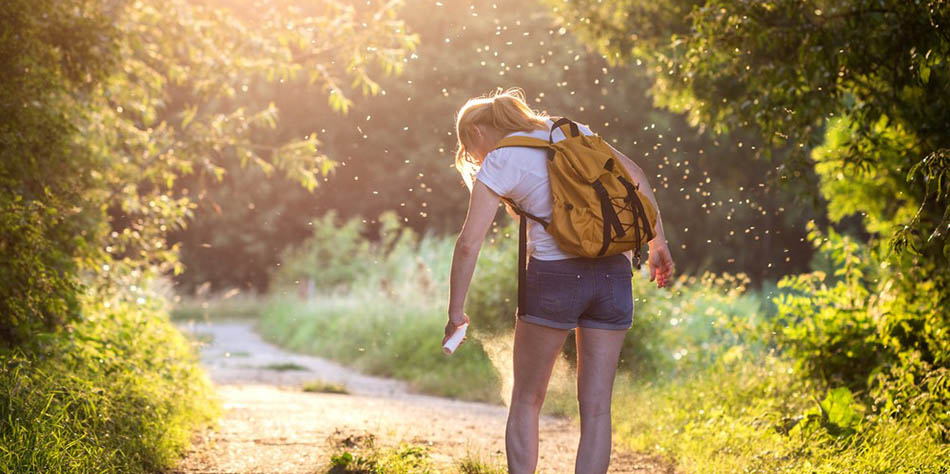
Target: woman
(564,291)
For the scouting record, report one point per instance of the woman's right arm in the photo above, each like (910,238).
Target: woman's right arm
(481,213)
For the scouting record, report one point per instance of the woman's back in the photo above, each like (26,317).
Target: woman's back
(521,174)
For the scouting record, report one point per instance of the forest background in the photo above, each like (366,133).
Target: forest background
(800,145)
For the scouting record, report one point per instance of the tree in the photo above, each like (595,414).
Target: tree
(857,89)
(106,104)
(395,152)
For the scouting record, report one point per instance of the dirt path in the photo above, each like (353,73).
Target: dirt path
(271,426)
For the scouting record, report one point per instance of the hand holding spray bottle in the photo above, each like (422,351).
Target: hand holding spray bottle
(453,342)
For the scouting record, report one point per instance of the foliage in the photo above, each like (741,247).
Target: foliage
(699,381)
(393,338)
(106,104)
(848,323)
(388,319)
(335,255)
(389,316)
(118,392)
(688,325)
(51,54)
(493,294)
(319,386)
(231,305)
(860,88)
(103,106)
(369,459)
(826,317)
(395,151)
(839,415)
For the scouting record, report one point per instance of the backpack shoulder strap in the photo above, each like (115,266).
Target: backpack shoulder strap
(567,126)
(521,141)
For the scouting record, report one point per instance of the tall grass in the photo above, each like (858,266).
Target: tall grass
(229,305)
(389,320)
(382,336)
(752,415)
(118,392)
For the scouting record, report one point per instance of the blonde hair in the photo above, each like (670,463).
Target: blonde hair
(504,110)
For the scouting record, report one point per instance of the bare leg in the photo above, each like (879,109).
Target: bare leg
(598,351)
(536,349)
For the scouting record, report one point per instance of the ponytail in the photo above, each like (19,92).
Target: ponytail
(506,111)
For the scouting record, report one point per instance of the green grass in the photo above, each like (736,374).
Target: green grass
(216,308)
(735,418)
(359,454)
(283,366)
(400,339)
(320,386)
(118,392)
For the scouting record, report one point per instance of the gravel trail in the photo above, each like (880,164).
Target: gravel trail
(270,425)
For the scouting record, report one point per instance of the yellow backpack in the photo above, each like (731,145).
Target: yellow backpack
(597,210)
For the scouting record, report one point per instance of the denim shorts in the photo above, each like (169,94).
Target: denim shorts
(587,292)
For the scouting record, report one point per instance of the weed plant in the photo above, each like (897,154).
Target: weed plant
(320,386)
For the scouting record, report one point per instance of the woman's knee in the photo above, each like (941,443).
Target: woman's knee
(527,398)
(591,405)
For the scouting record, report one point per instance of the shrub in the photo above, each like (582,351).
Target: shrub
(852,322)
(695,322)
(493,294)
(335,256)
(117,392)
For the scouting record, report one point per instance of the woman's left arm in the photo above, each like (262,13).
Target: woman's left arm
(661,262)
(481,213)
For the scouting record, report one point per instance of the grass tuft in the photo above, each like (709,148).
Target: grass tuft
(360,454)
(320,386)
(474,464)
(284,367)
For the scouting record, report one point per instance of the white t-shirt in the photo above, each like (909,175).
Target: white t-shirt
(521,174)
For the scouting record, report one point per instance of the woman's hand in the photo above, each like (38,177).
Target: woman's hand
(661,263)
(455,320)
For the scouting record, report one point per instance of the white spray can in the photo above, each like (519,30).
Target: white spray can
(453,342)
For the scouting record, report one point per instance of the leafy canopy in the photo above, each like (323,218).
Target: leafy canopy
(105,104)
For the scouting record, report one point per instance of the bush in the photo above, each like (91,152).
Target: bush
(693,323)
(493,295)
(117,392)
(335,256)
(849,323)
